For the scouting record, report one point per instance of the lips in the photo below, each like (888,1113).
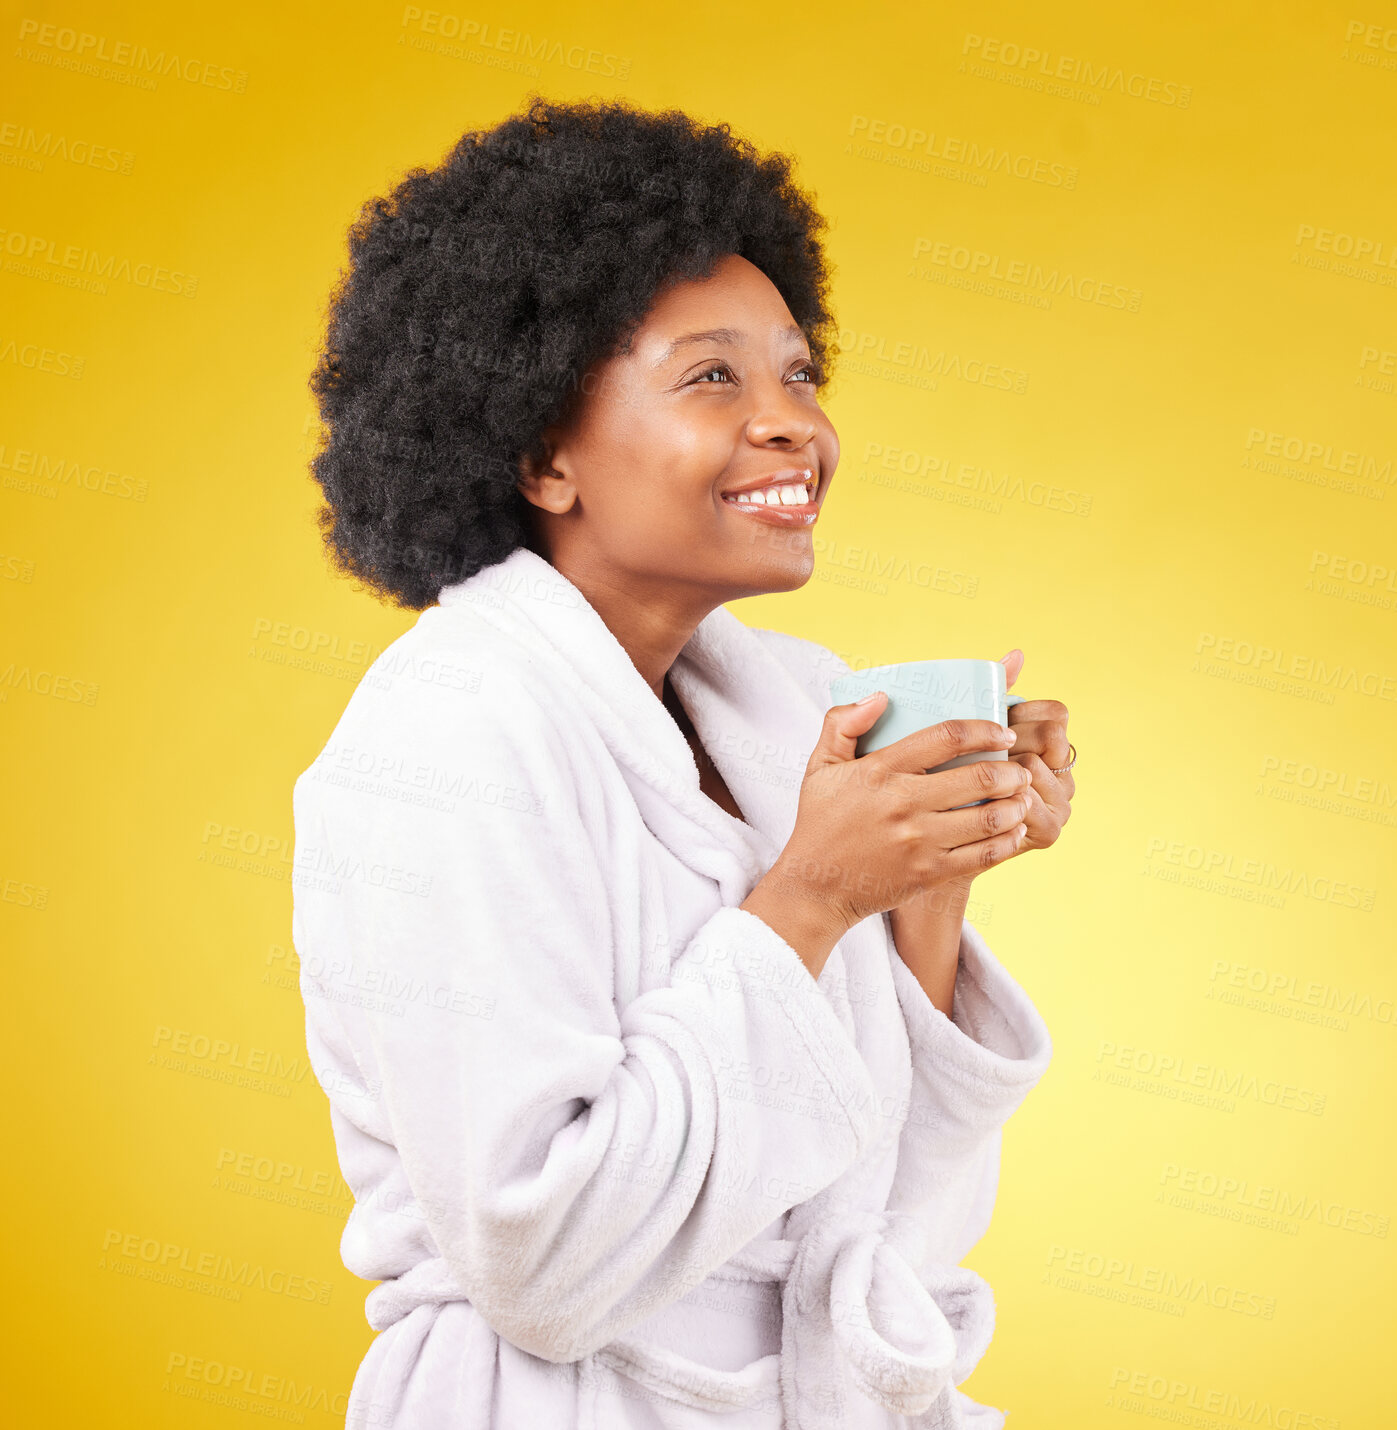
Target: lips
(771,482)
(761,499)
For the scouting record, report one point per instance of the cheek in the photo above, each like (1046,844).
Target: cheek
(670,446)
(687,458)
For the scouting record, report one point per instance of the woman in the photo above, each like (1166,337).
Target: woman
(669,1085)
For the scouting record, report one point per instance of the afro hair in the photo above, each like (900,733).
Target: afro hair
(478,294)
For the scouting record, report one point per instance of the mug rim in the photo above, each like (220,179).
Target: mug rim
(878,670)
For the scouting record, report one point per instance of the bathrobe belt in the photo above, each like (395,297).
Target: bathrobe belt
(849,1293)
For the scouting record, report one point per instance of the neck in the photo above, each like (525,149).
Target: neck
(651,621)
(674,706)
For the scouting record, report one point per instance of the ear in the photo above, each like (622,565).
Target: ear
(543,483)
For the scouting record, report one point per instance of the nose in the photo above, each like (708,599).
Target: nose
(779,416)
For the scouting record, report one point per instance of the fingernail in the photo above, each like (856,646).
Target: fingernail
(869,699)
(1004,658)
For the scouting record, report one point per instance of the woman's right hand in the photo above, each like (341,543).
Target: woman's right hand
(872,833)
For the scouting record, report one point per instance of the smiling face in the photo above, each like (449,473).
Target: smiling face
(716,394)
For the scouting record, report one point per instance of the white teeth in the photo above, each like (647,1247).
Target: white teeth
(784,494)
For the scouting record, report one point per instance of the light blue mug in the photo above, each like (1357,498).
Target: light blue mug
(926,692)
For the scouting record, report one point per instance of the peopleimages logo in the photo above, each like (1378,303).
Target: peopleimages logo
(66,470)
(859,350)
(1031,67)
(1375,252)
(65,47)
(39,255)
(1124,1274)
(1261,1197)
(38,358)
(1312,992)
(509,40)
(255,1391)
(976,263)
(1168,1069)
(1260,873)
(1169,1397)
(24,146)
(955,149)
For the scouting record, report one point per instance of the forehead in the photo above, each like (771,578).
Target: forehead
(736,295)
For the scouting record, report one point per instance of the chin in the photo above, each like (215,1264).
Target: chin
(786,571)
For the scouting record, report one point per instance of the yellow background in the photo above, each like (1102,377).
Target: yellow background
(163,588)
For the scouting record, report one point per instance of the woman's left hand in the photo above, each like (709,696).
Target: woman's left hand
(1041,747)
(927,930)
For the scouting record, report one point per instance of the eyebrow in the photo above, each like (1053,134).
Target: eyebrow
(718,335)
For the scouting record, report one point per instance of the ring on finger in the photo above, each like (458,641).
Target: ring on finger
(1071,750)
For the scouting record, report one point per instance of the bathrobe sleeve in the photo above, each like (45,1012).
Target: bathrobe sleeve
(579,1164)
(969,1073)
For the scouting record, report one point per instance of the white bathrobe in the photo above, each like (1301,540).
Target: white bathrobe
(618,1160)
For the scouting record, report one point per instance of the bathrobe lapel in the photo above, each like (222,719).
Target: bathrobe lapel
(530,600)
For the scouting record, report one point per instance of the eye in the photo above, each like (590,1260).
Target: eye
(805,371)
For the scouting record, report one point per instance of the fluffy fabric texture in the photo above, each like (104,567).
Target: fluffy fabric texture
(618,1160)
